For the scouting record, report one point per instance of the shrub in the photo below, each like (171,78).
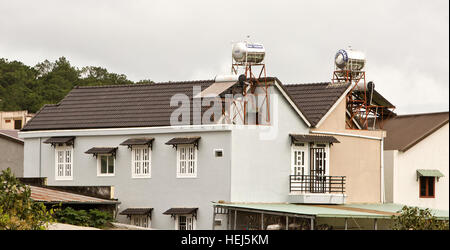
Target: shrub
(90,218)
(17,210)
(414,218)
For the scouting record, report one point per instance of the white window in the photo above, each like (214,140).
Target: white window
(141,162)
(105,165)
(140,220)
(185,222)
(300,160)
(186,161)
(63,163)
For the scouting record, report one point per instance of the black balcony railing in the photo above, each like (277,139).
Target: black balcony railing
(317,184)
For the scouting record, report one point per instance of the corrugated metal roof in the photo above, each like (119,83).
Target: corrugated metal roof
(60,140)
(183,140)
(380,211)
(181,210)
(137,211)
(137,141)
(49,195)
(101,150)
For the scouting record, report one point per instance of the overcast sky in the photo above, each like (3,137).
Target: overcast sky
(406,42)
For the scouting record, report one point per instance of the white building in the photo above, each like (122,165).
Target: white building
(416,160)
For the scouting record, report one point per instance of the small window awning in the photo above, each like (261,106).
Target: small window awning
(55,141)
(138,142)
(137,211)
(182,210)
(101,150)
(296,138)
(429,173)
(184,140)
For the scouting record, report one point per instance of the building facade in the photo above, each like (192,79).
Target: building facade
(416,160)
(166,176)
(10,120)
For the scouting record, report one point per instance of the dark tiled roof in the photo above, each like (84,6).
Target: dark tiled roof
(137,211)
(137,141)
(181,210)
(313,138)
(183,140)
(102,150)
(148,105)
(116,106)
(315,99)
(405,131)
(60,140)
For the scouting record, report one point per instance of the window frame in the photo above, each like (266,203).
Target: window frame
(64,149)
(99,165)
(133,152)
(304,149)
(178,167)
(427,196)
(140,217)
(188,216)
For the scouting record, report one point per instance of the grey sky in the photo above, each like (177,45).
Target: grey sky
(406,42)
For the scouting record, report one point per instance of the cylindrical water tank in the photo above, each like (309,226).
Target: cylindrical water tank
(248,52)
(348,59)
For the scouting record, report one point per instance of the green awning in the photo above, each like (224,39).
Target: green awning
(429,173)
(353,210)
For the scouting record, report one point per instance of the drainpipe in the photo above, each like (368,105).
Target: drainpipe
(40,155)
(382,168)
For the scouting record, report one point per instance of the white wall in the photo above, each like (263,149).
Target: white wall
(402,185)
(261,158)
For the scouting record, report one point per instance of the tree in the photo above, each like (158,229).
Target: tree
(17,210)
(414,218)
(29,88)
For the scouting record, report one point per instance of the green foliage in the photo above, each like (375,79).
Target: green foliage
(17,210)
(414,218)
(28,88)
(90,218)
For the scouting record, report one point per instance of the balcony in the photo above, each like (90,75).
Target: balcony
(316,189)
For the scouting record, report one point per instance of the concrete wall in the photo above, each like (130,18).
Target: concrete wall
(261,160)
(163,190)
(11,156)
(359,159)
(430,153)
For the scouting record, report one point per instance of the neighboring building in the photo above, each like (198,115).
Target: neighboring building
(416,156)
(168,176)
(11,152)
(14,119)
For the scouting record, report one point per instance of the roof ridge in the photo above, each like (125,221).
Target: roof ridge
(143,84)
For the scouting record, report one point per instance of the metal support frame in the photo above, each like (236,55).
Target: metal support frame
(287,215)
(253,82)
(359,107)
